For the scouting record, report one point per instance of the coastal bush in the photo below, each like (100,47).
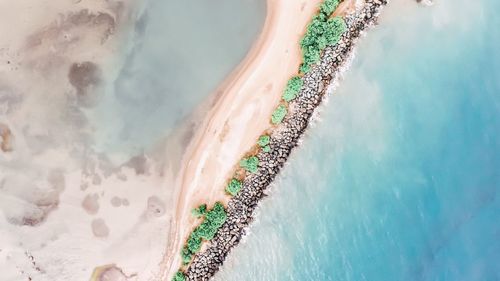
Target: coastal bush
(279,114)
(199,211)
(328,7)
(217,215)
(186,255)
(250,164)
(264,140)
(292,88)
(179,276)
(214,219)
(234,187)
(194,243)
(266,149)
(321,32)
(334,29)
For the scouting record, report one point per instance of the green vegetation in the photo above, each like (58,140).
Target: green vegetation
(250,164)
(266,149)
(292,88)
(200,211)
(194,243)
(186,255)
(328,7)
(214,219)
(179,276)
(264,140)
(321,32)
(234,187)
(279,114)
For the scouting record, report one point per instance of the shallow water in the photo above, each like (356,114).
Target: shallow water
(400,179)
(73,173)
(180,52)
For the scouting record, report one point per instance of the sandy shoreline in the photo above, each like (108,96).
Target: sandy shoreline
(284,138)
(240,113)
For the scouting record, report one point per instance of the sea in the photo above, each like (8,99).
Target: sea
(398,178)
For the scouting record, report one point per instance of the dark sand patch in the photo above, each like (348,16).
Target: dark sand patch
(99,228)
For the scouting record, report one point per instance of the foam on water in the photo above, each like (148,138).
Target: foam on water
(400,179)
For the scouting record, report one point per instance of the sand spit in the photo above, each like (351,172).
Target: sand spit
(239,114)
(284,139)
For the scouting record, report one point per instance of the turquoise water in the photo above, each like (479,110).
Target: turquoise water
(400,179)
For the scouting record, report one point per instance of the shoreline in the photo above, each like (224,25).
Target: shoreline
(284,138)
(236,118)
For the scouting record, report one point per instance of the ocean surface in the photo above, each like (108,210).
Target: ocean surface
(401,177)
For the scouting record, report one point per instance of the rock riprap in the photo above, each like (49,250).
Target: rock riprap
(283,139)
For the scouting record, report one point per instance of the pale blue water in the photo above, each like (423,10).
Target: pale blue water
(179,53)
(400,179)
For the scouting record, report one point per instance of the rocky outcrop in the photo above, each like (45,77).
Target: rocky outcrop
(284,139)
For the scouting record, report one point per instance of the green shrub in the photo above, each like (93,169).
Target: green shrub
(304,68)
(292,88)
(266,149)
(311,54)
(250,164)
(234,187)
(217,214)
(335,27)
(214,219)
(194,243)
(264,140)
(200,211)
(279,114)
(321,32)
(186,255)
(328,7)
(179,276)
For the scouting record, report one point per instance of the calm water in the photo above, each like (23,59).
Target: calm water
(400,180)
(180,52)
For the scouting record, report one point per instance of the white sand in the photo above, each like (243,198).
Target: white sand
(48,229)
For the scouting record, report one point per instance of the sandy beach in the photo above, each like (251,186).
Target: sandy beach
(78,41)
(239,115)
(62,204)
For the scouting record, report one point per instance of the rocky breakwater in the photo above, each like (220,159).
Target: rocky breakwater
(285,137)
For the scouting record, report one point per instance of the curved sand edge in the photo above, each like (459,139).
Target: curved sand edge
(240,113)
(319,81)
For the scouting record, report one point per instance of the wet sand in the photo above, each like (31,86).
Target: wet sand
(62,205)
